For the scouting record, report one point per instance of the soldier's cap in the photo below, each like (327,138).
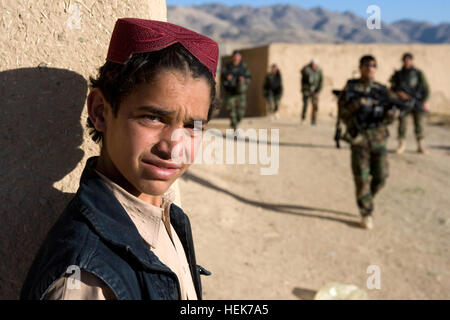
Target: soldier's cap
(407,55)
(132,35)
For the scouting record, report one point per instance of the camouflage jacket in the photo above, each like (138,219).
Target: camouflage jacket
(412,81)
(311,79)
(273,83)
(234,86)
(350,112)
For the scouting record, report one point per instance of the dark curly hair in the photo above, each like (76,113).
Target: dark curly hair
(116,80)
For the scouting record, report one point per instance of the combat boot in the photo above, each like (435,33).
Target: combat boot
(420,147)
(401,146)
(367,222)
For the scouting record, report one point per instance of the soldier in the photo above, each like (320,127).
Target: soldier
(311,86)
(236,78)
(273,89)
(411,85)
(366,119)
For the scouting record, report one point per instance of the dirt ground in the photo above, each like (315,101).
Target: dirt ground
(285,236)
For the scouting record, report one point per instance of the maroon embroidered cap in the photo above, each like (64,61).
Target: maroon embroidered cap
(132,35)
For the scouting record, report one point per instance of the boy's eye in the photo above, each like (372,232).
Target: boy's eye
(152,118)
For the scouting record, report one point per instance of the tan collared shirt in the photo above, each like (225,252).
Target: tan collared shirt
(153,224)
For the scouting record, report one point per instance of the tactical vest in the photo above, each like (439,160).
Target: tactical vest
(234,86)
(369,114)
(410,77)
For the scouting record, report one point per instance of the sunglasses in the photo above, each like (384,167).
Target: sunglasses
(373,65)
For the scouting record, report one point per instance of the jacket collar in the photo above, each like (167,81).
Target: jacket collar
(110,220)
(405,70)
(146,217)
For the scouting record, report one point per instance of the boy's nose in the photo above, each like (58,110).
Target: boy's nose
(173,139)
(163,148)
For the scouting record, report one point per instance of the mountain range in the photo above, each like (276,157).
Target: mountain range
(293,24)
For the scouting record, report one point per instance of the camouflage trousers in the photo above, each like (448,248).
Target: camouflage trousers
(272,101)
(370,171)
(418,125)
(315,106)
(236,105)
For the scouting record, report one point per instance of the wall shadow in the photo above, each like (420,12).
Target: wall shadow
(280,208)
(281,144)
(440,147)
(40,138)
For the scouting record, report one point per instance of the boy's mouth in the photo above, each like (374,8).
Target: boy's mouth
(161,169)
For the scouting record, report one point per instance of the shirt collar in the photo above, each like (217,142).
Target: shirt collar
(110,220)
(145,216)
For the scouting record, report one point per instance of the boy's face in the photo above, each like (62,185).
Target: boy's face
(138,140)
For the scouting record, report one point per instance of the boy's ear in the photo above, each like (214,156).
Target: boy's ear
(97,108)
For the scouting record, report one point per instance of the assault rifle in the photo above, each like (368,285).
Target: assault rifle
(236,72)
(416,97)
(370,116)
(338,132)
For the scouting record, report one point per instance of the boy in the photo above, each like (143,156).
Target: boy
(121,234)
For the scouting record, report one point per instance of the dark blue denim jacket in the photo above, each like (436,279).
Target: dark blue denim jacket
(95,234)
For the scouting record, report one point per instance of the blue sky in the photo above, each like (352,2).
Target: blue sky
(434,11)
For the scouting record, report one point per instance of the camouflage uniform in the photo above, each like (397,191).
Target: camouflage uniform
(235,91)
(273,90)
(311,86)
(368,144)
(413,81)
